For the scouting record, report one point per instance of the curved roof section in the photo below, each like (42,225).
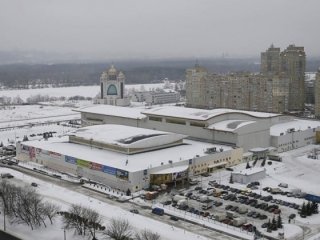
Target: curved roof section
(127,137)
(109,110)
(229,125)
(201,114)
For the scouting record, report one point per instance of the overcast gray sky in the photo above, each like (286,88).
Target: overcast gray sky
(159,28)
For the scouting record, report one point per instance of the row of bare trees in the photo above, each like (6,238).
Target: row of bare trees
(86,221)
(23,205)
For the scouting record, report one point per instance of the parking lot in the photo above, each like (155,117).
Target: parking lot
(241,208)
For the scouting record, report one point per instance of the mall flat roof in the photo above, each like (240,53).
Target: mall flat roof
(109,110)
(297,124)
(201,114)
(126,136)
(170,111)
(250,171)
(136,162)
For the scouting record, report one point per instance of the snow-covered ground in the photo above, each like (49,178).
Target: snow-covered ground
(65,198)
(85,91)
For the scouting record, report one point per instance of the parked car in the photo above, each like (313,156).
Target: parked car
(263,217)
(264,225)
(134,211)
(292,216)
(277,211)
(174,218)
(284,185)
(228,207)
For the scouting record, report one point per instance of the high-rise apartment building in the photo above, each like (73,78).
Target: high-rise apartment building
(245,91)
(270,61)
(317,95)
(293,66)
(278,88)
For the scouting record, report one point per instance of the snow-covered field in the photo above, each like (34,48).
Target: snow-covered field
(85,91)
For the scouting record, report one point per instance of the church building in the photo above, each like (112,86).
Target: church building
(112,83)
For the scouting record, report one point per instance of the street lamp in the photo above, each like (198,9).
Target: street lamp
(4,213)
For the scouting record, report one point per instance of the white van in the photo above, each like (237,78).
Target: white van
(284,185)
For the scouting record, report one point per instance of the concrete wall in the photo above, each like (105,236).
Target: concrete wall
(294,140)
(255,135)
(245,179)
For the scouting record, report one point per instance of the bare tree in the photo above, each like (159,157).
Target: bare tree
(147,235)
(83,220)
(24,205)
(119,229)
(50,210)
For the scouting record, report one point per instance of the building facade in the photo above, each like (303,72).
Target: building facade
(243,91)
(125,157)
(270,61)
(293,66)
(317,95)
(278,88)
(156,97)
(112,83)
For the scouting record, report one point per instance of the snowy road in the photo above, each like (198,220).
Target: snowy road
(73,193)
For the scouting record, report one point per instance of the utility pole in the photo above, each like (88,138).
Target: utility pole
(4,214)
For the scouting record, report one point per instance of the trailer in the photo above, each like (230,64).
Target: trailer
(207,204)
(203,198)
(182,202)
(220,216)
(242,209)
(237,222)
(178,197)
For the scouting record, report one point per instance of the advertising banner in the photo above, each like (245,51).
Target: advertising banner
(109,170)
(32,152)
(24,148)
(83,163)
(96,166)
(122,174)
(71,160)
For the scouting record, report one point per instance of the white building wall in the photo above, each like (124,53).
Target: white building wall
(245,179)
(294,140)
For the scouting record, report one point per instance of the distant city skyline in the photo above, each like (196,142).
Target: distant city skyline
(113,29)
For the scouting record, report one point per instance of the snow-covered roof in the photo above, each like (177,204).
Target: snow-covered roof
(250,171)
(172,169)
(201,114)
(125,112)
(229,125)
(136,162)
(125,136)
(258,149)
(297,124)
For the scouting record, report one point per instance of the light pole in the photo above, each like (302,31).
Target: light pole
(64,234)
(4,213)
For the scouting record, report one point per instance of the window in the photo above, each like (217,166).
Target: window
(176,121)
(158,119)
(197,124)
(112,90)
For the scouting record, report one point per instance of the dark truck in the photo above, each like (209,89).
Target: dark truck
(158,211)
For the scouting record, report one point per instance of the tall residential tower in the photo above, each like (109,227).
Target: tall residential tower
(317,95)
(293,66)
